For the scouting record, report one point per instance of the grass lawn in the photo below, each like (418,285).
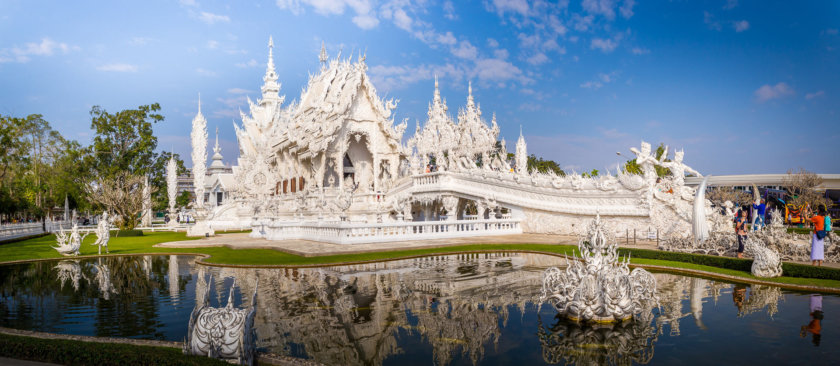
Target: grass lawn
(39,248)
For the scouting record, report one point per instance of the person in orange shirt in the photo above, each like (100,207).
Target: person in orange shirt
(817,242)
(814,326)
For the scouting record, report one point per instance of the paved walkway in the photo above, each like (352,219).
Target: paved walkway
(308,248)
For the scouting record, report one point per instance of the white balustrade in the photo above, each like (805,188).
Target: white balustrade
(357,233)
(13,231)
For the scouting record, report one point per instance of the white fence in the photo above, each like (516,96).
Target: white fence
(350,233)
(14,231)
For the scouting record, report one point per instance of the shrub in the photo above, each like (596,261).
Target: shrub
(788,269)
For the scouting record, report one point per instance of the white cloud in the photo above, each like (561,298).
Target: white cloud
(365,17)
(537,59)
(449,10)
(640,51)
(117,67)
(730,4)
(448,39)
(205,72)
(605,45)
(768,92)
(465,50)
(238,91)
(492,42)
(212,44)
(140,41)
(601,80)
(741,25)
(515,6)
(492,69)
(395,77)
(594,85)
(601,7)
(501,53)
(366,21)
(710,21)
(815,94)
(47,47)
(211,18)
(250,63)
(582,23)
(626,8)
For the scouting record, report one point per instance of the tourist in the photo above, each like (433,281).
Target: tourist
(814,327)
(758,220)
(818,237)
(738,295)
(741,231)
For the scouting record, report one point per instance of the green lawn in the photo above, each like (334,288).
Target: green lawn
(38,248)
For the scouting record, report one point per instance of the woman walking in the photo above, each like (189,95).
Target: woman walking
(818,237)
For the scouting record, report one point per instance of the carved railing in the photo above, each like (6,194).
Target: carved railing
(354,233)
(12,231)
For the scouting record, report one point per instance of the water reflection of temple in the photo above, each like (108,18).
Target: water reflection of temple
(354,315)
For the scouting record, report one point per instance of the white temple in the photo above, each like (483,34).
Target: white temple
(332,166)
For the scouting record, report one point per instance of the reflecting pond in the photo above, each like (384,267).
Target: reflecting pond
(456,309)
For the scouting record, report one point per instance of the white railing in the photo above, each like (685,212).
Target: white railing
(13,231)
(351,233)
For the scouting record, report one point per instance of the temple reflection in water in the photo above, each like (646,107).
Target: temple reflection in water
(456,309)
(354,315)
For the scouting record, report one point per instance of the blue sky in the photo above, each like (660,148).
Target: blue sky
(742,86)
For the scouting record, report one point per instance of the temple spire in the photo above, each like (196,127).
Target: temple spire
(270,88)
(323,55)
(216,148)
(470,100)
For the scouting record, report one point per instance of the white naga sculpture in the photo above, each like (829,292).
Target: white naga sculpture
(69,245)
(766,261)
(600,287)
(103,232)
(172,188)
(225,333)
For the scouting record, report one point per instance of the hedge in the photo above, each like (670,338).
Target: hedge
(789,269)
(805,230)
(67,352)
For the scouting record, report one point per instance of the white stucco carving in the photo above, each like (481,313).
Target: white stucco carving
(69,244)
(199,155)
(103,233)
(172,188)
(225,333)
(600,287)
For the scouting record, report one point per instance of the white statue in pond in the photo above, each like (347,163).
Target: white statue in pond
(223,333)
(103,233)
(68,245)
(600,288)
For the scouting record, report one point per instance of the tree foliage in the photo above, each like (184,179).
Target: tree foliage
(633,168)
(38,168)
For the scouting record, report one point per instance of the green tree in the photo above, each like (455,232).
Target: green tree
(38,167)
(633,168)
(124,141)
(123,151)
(157,178)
